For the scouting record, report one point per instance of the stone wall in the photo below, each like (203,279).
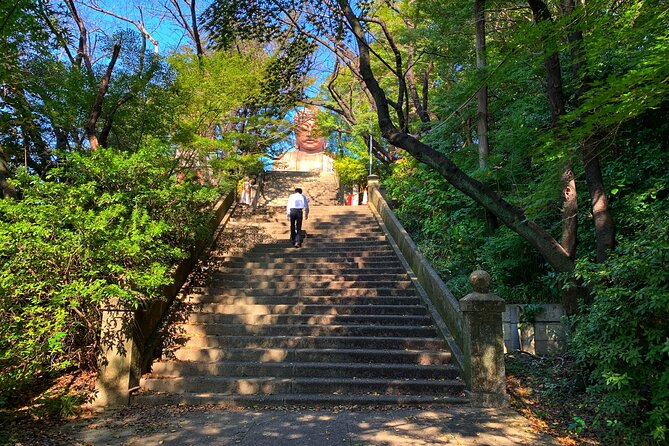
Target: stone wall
(534,328)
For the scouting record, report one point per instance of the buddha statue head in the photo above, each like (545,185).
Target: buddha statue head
(307,138)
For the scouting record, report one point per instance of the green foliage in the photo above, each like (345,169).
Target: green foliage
(623,336)
(232,168)
(234,22)
(450,232)
(57,406)
(102,226)
(285,75)
(352,170)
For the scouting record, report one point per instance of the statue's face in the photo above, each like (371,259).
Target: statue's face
(307,138)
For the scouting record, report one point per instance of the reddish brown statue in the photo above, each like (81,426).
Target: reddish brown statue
(307,138)
(309,148)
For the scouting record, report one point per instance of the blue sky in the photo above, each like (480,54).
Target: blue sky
(156,18)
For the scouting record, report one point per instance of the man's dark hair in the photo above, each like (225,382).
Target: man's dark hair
(298,190)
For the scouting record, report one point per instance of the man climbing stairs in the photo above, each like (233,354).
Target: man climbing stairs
(337,321)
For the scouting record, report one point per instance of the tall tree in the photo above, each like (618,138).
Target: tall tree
(604,226)
(482,95)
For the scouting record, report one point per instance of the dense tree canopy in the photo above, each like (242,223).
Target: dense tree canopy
(526,138)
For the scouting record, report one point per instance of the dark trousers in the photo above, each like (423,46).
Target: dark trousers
(295,225)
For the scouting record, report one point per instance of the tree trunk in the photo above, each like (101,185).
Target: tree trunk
(569,211)
(552,63)
(491,222)
(6,190)
(482,95)
(569,194)
(109,119)
(604,226)
(512,217)
(413,91)
(96,110)
(82,50)
(196,31)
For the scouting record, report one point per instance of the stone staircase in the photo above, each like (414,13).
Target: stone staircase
(320,188)
(337,321)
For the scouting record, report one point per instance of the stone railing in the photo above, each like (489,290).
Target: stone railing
(130,336)
(472,326)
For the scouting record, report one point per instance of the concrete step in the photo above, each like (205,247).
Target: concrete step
(316,342)
(287,283)
(302,300)
(274,385)
(290,254)
(287,251)
(290,330)
(301,400)
(310,319)
(343,228)
(324,214)
(306,264)
(328,246)
(310,309)
(347,354)
(278,269)
(310,291)
(301,369)
(328,230)
(332,233)
(302,278)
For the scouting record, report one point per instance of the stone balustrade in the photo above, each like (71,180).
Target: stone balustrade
(472,326)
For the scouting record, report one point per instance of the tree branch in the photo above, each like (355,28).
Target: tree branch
(139,24)
(99,99)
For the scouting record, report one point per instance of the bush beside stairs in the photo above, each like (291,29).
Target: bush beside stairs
(337,321)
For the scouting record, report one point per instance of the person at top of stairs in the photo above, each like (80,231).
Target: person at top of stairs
(297,202)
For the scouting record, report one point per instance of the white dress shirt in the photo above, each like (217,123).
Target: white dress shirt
(297,201)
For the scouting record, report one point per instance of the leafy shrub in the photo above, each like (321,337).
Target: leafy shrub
(623,337)
(233,167)
(103,225)
(352,170)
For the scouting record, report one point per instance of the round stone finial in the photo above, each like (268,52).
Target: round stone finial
(480,281)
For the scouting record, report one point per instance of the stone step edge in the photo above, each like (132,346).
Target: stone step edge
(314,400)
(314,365)
(309,350)
(307,380)
(310,326)
(307,305)
(240,258)
(197,299)
(298,321)
(328,338)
